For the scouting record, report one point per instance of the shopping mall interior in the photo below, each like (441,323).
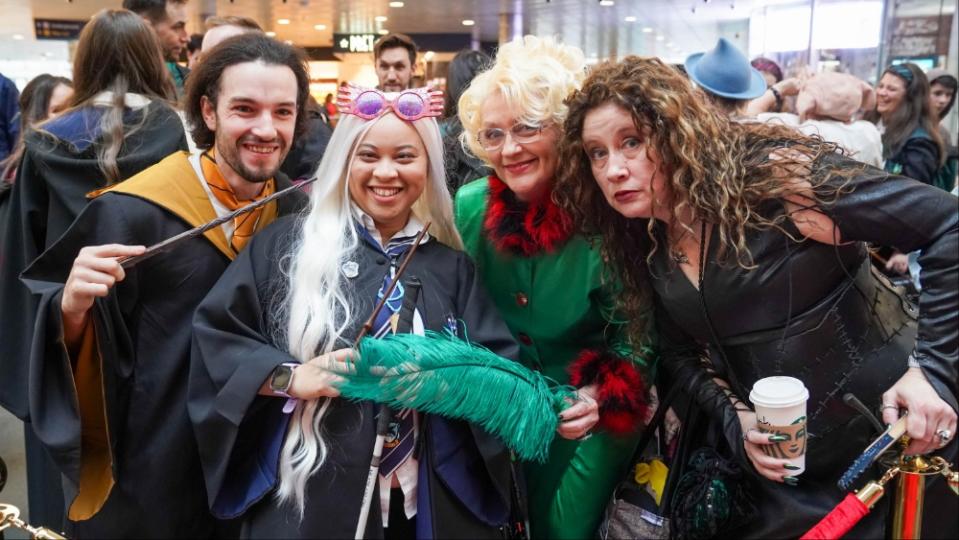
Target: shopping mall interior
(854,36)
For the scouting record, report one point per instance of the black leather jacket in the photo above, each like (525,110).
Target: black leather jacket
(818,313)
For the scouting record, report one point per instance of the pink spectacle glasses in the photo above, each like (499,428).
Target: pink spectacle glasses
(369,103)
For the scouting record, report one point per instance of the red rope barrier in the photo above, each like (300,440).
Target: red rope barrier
(838,522)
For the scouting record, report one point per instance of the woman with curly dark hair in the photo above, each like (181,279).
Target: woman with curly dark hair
(750,239)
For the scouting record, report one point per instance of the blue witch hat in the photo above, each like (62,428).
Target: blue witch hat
(726,72)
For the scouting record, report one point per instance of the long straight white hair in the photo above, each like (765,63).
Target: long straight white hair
(317,308)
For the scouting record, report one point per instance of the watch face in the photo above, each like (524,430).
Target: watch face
(280,382)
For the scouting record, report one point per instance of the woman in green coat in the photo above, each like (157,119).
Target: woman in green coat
(549,284)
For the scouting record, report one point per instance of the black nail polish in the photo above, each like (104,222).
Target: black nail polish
(789,467)
(790,480)
(778,438)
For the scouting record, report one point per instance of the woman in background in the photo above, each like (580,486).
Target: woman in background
(911,144)
(44,96)
(942,96)
(461,167)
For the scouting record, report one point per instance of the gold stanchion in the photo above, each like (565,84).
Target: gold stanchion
(911,488)
(10,517)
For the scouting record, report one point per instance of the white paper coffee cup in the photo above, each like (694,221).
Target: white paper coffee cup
(780,404)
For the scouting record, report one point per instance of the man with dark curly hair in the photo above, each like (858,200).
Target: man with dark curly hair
(112,344)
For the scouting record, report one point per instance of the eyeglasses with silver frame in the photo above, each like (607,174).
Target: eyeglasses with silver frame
(491,139)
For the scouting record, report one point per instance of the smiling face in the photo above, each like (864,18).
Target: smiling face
(389,173)
(626,169)
(527,168)
(939,97)
(253,120)
(890,93)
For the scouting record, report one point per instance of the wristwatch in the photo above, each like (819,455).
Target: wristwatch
(282,379)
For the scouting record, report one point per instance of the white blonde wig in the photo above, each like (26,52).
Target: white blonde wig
(317,309)
(534,76)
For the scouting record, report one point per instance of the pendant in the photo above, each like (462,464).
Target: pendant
(678,257)
(351,269)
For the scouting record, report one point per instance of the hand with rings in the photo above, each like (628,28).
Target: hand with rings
(931,421)
(577,421)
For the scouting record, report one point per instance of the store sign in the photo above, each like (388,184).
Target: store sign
(354,43)
(920,36)
(59,29)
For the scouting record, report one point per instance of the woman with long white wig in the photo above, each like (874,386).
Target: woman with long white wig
(279,447)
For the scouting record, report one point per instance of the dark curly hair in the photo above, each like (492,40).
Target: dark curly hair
(249,47)
(715,169)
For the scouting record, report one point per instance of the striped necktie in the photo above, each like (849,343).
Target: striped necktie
(400,439)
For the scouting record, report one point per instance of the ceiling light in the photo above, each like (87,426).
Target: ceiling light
(319,27)
(379,18)
(629,18)
(647,30)
(17,36)
(283,21)
(660,37)
(396,4)
(271,34)
(428,56)
(468,22)
(382,31)
(606,3)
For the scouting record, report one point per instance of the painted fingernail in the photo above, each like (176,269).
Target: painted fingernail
(778,438)
(792,481)
(789,467)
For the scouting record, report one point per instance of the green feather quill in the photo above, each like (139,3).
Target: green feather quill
(441,374)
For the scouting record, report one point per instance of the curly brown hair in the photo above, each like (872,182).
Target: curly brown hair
(718,170)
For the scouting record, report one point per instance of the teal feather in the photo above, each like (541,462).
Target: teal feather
(441,374)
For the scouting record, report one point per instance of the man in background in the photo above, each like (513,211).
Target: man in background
(168,20)
(394,56)
(221,28)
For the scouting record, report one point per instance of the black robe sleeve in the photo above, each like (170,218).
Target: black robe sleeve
(908,215)
(49,193)
(232,355)
(54,393)
(685,363)
(485,327)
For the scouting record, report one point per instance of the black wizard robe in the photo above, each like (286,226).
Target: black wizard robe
(113,417)
(59,167)
(465,483)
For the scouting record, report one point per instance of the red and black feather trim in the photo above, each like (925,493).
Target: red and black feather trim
(622,390)
(516,227)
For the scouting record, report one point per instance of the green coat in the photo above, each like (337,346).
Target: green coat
(556,306)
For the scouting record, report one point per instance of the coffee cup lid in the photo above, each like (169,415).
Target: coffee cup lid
(778,392)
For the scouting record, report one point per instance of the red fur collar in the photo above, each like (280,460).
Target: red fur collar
(524,229)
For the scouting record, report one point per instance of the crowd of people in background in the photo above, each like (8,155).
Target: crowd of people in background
(579,217)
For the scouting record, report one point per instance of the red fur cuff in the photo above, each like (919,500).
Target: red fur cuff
(622,391)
